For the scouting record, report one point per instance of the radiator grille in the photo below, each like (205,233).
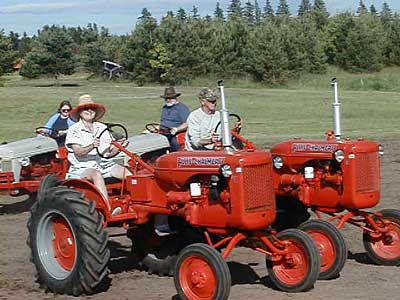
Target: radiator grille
(367,172)
(258,188)
(5,165)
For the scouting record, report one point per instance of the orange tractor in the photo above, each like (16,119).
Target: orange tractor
(339,178)
(214,201)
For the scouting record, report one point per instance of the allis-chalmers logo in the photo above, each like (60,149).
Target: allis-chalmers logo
(305,147)
(200,161)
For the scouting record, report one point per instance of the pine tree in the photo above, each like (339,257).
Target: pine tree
(304,8)
(373,10)
(181,14)
(235,10)
(218,12)
(320,13)
(362,9)
(195,12)
(283,8)
(249,13)
(8,56)
(257,12)
(268,10)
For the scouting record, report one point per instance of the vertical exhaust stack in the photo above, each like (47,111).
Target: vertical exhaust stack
(336,111)
(225,127)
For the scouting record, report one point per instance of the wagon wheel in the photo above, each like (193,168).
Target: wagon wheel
(331,245)
(201,273)
(47,132)
(384,249)
(299,269)
(157,254)
(68,243)
(47,182)
(115,135)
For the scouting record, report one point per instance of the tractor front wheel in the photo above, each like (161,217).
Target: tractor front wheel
(202,274)
(298,270)
(331,245)
(68,243)
(384,248)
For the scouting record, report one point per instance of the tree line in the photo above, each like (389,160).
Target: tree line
(250,39)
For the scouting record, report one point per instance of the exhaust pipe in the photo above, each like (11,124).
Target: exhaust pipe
(225,127)
(336,111)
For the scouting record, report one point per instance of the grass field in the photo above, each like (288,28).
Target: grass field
(302,109)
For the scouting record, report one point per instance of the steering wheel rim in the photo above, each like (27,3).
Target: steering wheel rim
(238,119)
(157,128)
(53,132)
(109,129)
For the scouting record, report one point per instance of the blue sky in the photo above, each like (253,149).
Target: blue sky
(120,16)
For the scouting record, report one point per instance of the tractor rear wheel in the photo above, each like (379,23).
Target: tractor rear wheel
(47,182)
(384,249)
(68,243)
(331,245)
(299,269)
(202,274)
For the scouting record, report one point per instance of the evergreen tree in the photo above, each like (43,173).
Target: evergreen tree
(320,13)
(268,10)
(257,12)
(235,10)
(304,8)
(249,13)
(181,14)
(195,12)
(362,9)
(373,10)
(283,8)
(8,56)
(218,12)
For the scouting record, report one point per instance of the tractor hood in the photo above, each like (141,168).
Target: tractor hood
(27,147)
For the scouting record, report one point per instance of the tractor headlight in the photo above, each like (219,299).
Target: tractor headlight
(226,171)
(278,162)
(25,161)
(339,156)
(381,150)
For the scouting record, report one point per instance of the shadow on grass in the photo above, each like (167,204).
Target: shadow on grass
(19,206)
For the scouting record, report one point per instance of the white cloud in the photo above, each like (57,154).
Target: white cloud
(36,7)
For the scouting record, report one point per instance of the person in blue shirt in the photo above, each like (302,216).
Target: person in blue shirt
(59,123)
(173,117)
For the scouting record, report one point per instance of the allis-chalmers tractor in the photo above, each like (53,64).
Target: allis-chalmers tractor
(214,201)
(339,178)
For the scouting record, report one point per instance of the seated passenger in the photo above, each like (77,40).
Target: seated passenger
(173,117)
(83,142)
(59,123)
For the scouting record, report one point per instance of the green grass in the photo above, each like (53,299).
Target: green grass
(303,109)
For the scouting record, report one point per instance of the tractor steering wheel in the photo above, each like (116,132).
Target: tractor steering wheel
(47,132)
(114,136)
(238,119)
(153,127)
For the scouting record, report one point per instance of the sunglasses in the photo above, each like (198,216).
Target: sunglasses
(212,101)
(65,110)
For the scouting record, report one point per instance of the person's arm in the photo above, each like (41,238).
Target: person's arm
(184,112)
(83,151)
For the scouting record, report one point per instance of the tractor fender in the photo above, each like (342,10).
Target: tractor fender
(91,193)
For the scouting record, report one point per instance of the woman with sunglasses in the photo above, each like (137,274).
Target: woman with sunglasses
(59,123)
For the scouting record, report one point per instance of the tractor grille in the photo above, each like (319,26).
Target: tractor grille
(367,172)
(5,165)
(258,188)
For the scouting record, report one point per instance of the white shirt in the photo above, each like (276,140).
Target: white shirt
(200,126)
(80,135)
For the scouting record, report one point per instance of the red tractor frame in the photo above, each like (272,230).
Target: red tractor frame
(339,178)
(214,200)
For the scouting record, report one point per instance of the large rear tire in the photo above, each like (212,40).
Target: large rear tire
(68,243)
(384,249)
(47,182)
(299,269)
(331,245)
(202,274)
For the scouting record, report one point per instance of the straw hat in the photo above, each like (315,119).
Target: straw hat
(170,93)
(86,102)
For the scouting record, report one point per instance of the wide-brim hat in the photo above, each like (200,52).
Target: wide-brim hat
(86,102)
(170,93)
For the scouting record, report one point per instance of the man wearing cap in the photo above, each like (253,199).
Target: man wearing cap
(83,143)
(173,117)
(202,122)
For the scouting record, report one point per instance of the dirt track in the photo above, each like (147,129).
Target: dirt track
(359,279)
